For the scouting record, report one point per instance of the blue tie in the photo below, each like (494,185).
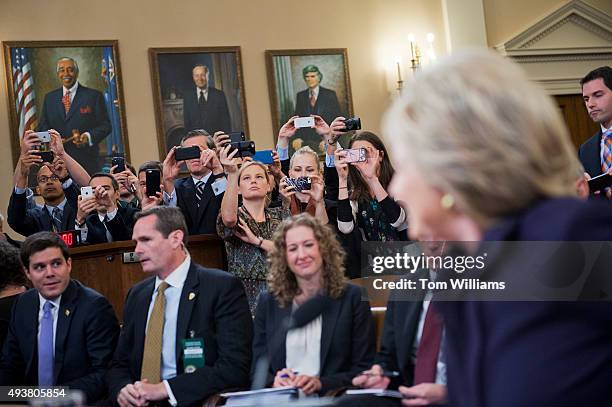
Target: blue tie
(45,347)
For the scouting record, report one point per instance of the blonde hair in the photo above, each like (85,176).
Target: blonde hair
(477,128)
(251,163)
(306,150)
(282,283)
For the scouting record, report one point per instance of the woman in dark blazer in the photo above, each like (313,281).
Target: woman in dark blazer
(482,154)
(328,351)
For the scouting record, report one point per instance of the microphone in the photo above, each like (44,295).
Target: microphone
(307,312)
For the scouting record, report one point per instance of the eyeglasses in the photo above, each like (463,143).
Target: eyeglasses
(44,179)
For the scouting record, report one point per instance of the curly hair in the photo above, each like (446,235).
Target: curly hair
(282,283)
(10,264)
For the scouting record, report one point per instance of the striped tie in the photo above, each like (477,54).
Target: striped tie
(151,358)
(199,192)
(56,214)
(66,101)
(606,158)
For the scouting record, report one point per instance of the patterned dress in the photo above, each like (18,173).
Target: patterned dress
(247,261)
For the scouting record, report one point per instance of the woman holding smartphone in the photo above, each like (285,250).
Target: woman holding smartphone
(364,174)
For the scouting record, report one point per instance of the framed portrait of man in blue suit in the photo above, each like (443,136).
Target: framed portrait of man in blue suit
(306,82)
(73,87)
(197,88)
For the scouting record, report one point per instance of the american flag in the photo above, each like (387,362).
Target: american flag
(23,86)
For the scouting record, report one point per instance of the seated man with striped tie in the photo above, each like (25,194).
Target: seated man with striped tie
(61,332)
(55,186)
(200,194)
(99,217)
(187,330)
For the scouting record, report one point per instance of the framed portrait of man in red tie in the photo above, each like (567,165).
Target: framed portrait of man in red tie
(74,88)
(308,82)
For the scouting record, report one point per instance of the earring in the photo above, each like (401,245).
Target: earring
(447,201)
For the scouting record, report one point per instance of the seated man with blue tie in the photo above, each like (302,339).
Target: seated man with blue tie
(187,330)
(57,189)
(200,194)
(99,217)
(61,332)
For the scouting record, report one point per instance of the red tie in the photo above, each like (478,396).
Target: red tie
(66,102)
(429,347)
(313,99)
(606,163)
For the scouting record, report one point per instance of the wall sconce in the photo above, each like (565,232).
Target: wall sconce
(400,82)
(415,52)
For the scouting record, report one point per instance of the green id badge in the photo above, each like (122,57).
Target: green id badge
(193,354)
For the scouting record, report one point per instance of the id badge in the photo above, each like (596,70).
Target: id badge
(193,354)
(219,186)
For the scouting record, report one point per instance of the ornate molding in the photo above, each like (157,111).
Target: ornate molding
(576,12)
(528,59)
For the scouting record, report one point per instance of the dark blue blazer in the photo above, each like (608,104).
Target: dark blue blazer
(214,307)
(327,105)
(589,154)
(87,332)
(29,221)
(347,337)
(87,114)
(213,116)
(120,227)
(508,354)
(202,220)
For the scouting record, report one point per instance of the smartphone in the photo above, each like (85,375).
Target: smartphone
(119,162)
(47,156)
(355,155)
(187,153)
(264,157)
(300,122)
(44,136)
(237,136)
(87,192)
(300,183)
(153,180)
(600,182)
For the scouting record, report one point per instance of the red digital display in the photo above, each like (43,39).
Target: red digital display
(67,238)
(72,238)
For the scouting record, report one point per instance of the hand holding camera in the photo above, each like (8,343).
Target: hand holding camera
(341,166)
(85,205)
(369,167)
(30,141)
(320,126)
(286,132)
(27,160)
(171,167)
(221,140)
(228,160)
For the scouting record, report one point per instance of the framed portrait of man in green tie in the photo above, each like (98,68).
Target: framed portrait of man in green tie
(308,82)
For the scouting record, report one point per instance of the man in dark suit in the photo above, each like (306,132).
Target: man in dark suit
(76,111)
(61,333)
(99,218)
(596,153)
(205,107)
(315,100)
(199,195)
(57,190)
(187,330)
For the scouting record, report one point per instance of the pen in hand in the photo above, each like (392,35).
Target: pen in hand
(386,373)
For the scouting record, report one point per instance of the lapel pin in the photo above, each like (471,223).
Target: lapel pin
(67,312)
(191,296)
